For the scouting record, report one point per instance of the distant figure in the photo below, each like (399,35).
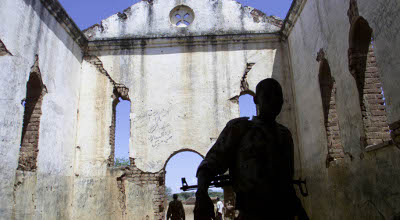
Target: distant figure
(175,209)
(220,206)
(259,156)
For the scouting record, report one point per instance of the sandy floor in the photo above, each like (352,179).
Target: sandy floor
(188,212)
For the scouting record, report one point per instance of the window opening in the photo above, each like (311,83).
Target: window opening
(184,164)
(363,67)
(182,16)
(328,95)
(29,149)
(122,132)
(120,128)
(247,106)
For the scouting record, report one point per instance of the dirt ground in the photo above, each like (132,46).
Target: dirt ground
(188,212)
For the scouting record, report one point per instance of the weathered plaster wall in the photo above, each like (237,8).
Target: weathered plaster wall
(182,93)
(183,96)
(364,185)
(149,19)
(27,29)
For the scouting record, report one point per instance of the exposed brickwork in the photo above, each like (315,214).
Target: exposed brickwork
(275,21)
(3,49)
(363,67)
(328,94)
(115,102)
(120,91)
(244,85)
(395,128)
(31,122)
(140,178)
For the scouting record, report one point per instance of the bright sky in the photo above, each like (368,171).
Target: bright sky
(89,12)
(86,13)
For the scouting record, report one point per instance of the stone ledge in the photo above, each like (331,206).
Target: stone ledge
(379,146)
(132,43)
(294,12)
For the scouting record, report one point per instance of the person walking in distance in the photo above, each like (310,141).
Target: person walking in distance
(175,209)
(220,207)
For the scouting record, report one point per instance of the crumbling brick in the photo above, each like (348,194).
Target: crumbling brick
(31,123)
(328,95)
(258,15)
(120,91)
(395,132)
(3,49)
(244,85)
(122,193)
(363,67)
(140,178)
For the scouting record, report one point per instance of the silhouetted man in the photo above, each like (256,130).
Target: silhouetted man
(259,156)
(175,209)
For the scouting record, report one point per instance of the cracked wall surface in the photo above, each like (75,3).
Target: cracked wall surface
(204,79)
(35,91)
(3,49)
(328,88)
(363,185)
(151,19)
(183,85)
(42,189)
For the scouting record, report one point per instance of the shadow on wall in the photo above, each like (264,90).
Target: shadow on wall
(52,24)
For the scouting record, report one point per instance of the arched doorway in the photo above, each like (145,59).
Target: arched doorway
(182,164)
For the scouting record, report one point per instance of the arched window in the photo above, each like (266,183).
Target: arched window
(328,95)
(35,90)
(120,130)
(363,67)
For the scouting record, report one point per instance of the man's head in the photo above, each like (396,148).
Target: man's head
(175,196)
(217,198)
(269,98)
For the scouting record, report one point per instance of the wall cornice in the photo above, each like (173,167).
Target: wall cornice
(121,44)
(59,13)
(292,16)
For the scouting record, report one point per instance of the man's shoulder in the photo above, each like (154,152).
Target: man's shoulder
(175,202)
(238,121)
(283,129)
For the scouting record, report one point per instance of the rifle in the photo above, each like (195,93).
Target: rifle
(218,181)
(225,180)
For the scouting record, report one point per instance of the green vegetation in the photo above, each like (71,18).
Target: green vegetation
(122,162)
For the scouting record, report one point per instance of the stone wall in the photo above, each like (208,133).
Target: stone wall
(35,91)
(37,161)
(364,184)
(153,19)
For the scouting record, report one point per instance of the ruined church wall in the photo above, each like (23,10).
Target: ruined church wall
(151,19)
(365,184)
(182,95)
(27,29)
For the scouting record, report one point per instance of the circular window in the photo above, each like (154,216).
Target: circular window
(181,16)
